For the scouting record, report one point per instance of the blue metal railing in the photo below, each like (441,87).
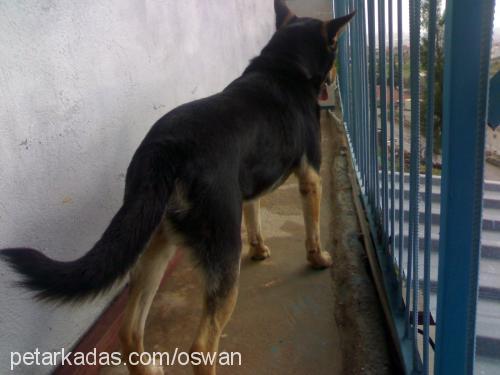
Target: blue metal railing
(372,113)
(429,151)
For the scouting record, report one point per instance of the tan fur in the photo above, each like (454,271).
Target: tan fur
(178,201)
(211,325)
(310,191)
(144,282)
(251,212)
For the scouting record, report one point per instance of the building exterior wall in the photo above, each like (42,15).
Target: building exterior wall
(81,82)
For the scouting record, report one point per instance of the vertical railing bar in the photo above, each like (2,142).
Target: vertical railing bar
(359,92)
(365,95)
(415,156)
(409,266)
(401,138)
(431,37)
(361,70)
(348,70)
(391,122)
(345,81)
(383,114)
(359,87)
(352,88)
(373,102)
(468,34)
(353,66)
(342,81)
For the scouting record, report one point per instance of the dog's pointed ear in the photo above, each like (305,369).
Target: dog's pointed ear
(283,14)
(336,26)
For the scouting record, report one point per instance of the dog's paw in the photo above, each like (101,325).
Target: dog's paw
(319,259)
(154,370)
(259,252)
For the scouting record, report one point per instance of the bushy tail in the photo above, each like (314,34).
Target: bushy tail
(109,260)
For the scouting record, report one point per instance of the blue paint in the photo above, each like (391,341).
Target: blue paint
(428,176)
(467,54)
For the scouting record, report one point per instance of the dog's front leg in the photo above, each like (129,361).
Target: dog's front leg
(251,211)
(310,191)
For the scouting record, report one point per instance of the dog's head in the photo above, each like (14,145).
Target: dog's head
(308,43)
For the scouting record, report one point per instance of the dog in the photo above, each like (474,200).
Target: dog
(199,170)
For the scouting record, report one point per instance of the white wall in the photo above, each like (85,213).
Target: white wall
(81,82)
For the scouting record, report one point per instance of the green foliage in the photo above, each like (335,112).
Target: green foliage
(439,73)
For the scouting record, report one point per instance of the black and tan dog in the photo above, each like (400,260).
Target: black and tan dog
(199,168)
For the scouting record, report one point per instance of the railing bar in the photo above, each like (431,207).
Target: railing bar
(352,117)
(343,81)
(366,95)
(401,138)
(383,114)
(409,269)
(431,36)
(348,80)
(468,34)
(354,87)
(415,157)
(358,88)
(373,103)
(391,121)
(363,96)
(363,69)
(352,76)
(359,103)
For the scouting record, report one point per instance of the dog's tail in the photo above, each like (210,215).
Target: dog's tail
(109,260)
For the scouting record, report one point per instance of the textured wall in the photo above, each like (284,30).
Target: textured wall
(81,82)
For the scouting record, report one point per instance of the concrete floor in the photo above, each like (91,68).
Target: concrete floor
(287,317)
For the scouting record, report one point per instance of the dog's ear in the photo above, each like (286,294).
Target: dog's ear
(336,26)
(283,14)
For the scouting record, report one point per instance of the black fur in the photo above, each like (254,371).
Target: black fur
(222,150)
(116,251)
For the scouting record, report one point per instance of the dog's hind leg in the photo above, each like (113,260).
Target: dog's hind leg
(251,212)
(310,191)
(218,307)
(219,251)
(145,279)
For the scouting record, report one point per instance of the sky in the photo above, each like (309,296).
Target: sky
(405,9)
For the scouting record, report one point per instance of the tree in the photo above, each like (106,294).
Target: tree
(439,72)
